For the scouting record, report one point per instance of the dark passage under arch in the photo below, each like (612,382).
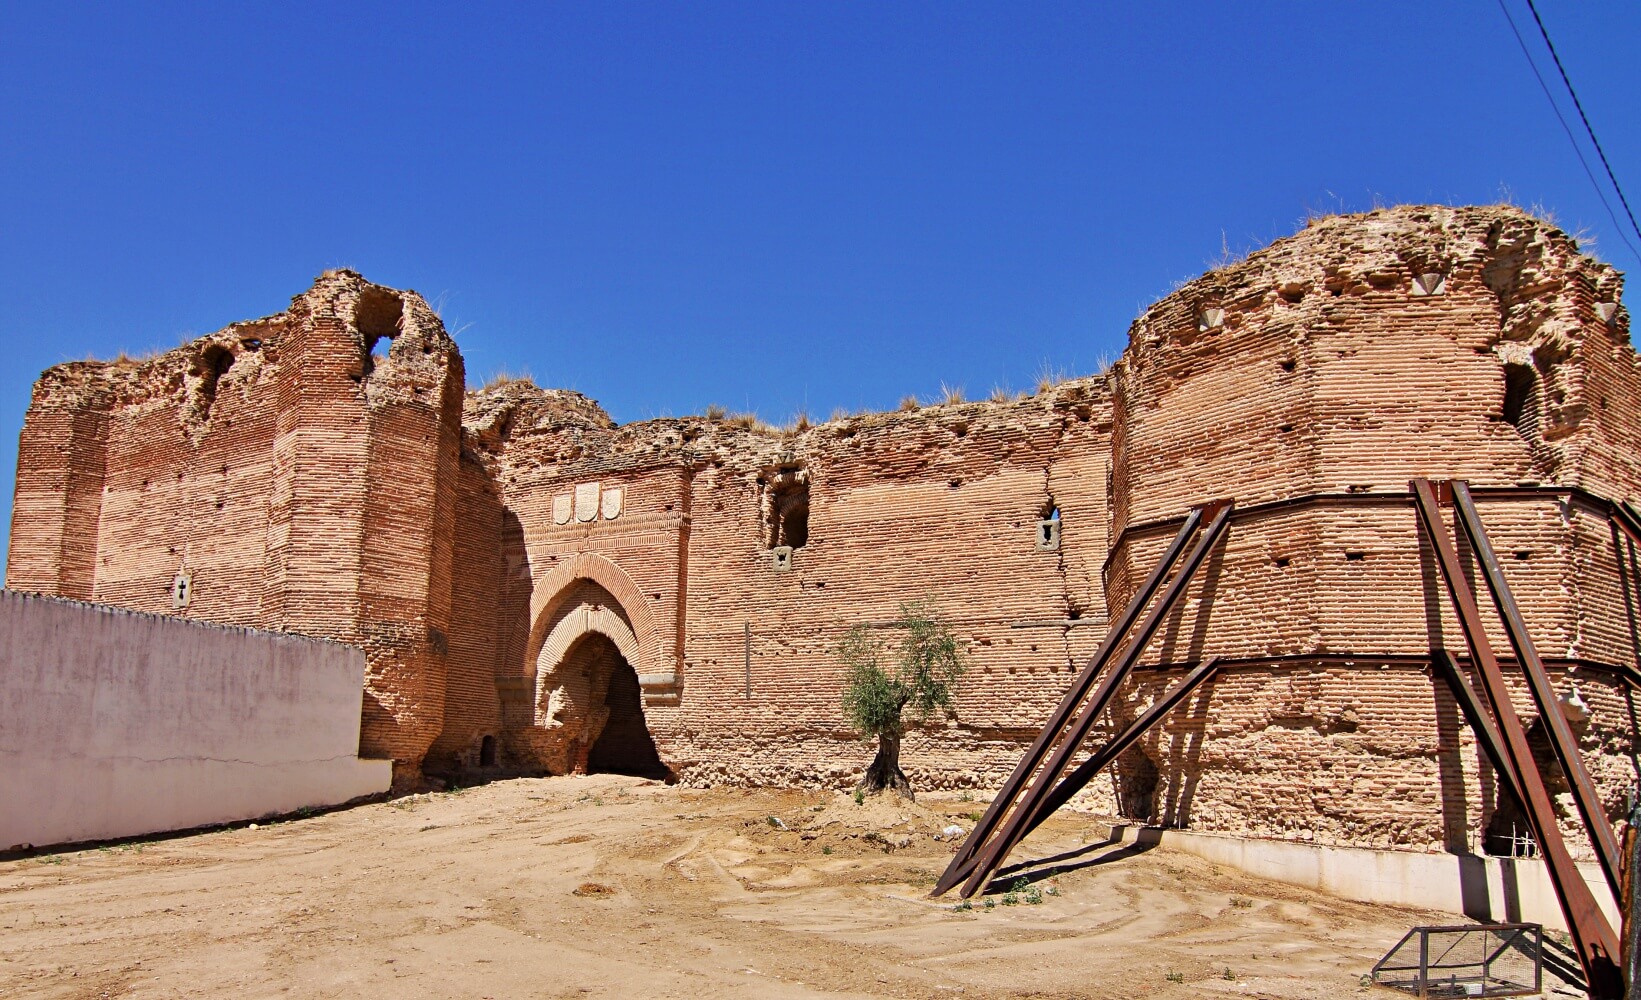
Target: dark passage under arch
(625,746)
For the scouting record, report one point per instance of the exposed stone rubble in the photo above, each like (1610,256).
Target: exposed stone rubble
(539,588)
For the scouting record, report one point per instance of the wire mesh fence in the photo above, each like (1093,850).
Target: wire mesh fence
(1467,960)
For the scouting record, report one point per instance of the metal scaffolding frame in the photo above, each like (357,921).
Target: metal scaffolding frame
(1040,785)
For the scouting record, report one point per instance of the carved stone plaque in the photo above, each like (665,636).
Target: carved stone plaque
(611,506)
(586,501)
(561,509)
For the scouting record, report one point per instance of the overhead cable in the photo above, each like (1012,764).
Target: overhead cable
(1577,149)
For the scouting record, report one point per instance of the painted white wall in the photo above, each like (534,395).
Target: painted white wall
(116,723)
(1483,888)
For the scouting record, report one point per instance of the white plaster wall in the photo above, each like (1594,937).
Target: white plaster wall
(1483,888)
(116,723)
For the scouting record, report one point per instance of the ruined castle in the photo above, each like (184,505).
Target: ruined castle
(539,589)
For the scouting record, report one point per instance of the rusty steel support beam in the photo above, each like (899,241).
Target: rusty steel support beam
(1068,706)
(985,862)
(1480,718)
(1627,519)
(1562,739)
(1593,936)
(1079,778)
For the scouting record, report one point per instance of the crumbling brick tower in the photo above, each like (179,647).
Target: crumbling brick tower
(1326,371)
(294,473)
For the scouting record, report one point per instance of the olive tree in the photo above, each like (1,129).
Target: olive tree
(890,683)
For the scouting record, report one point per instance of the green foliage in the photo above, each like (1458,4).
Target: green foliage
(919,680)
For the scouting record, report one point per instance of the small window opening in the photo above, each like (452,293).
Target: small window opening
(1519,384)
(1048,528)
(1355,556)
(787,500)
(377,316)
(487,752)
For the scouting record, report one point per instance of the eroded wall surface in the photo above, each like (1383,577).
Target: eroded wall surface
(115,724)
(511,557)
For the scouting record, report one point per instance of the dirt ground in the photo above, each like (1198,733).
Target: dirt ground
(620,887)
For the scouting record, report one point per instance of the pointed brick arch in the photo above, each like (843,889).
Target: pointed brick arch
(572,628)
(644,641)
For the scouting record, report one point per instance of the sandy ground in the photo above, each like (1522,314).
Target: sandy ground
(619,887)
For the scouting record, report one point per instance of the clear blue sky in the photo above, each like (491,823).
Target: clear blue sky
(772,207)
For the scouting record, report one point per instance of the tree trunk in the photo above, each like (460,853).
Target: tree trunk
(885,774)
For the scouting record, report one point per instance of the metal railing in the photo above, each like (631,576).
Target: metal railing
(1466,960)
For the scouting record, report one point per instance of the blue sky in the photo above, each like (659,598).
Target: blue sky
(772,207)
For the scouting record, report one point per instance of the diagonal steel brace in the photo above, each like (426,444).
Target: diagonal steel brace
(1593,936)
(985,862)
(1562,740)
(959,867)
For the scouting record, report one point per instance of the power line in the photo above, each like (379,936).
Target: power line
(1584,117)
(1618,226)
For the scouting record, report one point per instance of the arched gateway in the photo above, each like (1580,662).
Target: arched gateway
(587,653)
